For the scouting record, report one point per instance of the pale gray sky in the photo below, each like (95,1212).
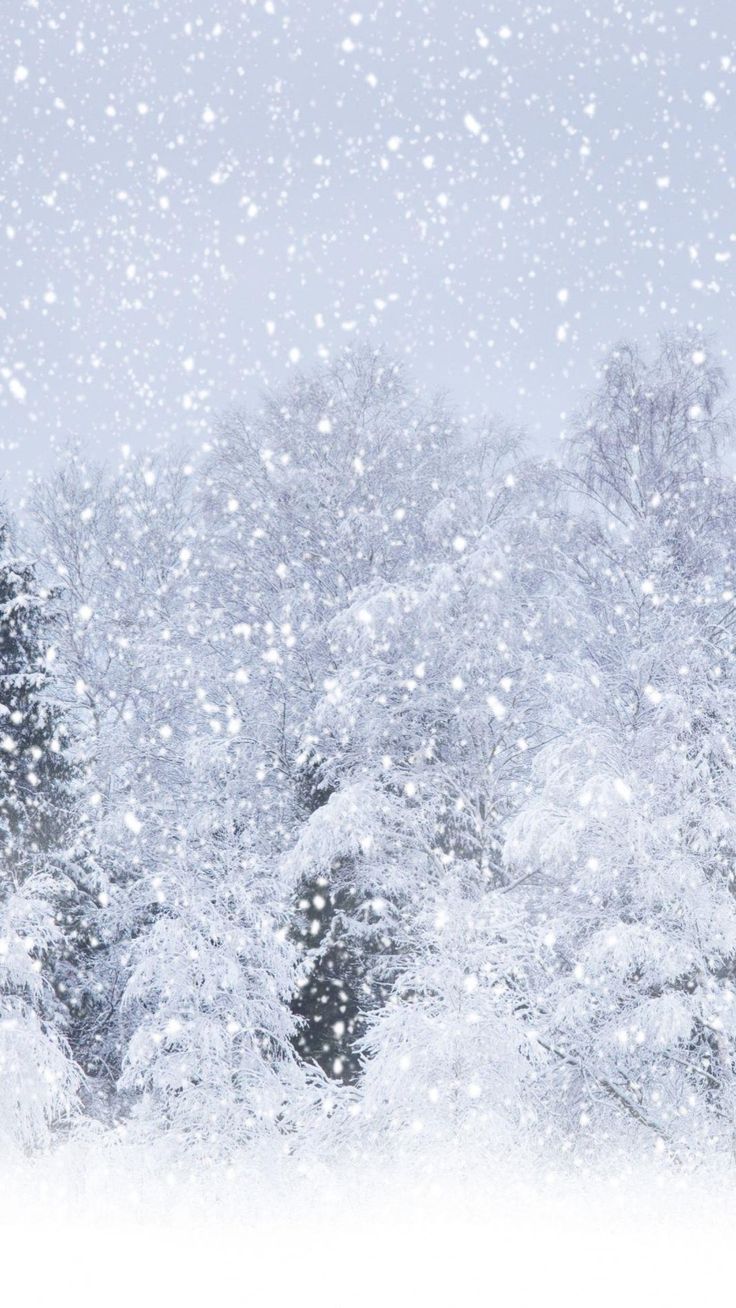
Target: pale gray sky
(198,197)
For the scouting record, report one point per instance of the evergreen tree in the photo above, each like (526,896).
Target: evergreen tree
(425,735)
(186,1025)
(324,491)
(38,1081)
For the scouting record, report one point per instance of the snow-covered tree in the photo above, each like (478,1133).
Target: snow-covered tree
(38,1080)
(211,1048)
(112,544)
(424,736)
(324,491)
(631,817)
(388,754)
(192,970)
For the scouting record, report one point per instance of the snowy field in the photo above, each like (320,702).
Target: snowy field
(151,1233)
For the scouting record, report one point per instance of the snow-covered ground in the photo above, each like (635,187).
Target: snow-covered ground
(102,1222)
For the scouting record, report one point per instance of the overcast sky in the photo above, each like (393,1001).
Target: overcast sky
(199,197)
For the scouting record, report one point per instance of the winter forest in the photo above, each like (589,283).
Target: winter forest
(367,653)
(368,784)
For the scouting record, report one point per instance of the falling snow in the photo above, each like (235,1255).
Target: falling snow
(367,676)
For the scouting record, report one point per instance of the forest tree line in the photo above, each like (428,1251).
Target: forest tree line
(361,774)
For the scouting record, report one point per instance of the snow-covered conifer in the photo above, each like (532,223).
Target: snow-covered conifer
(38,1080)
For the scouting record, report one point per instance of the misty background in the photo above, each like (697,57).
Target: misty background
(198,199)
